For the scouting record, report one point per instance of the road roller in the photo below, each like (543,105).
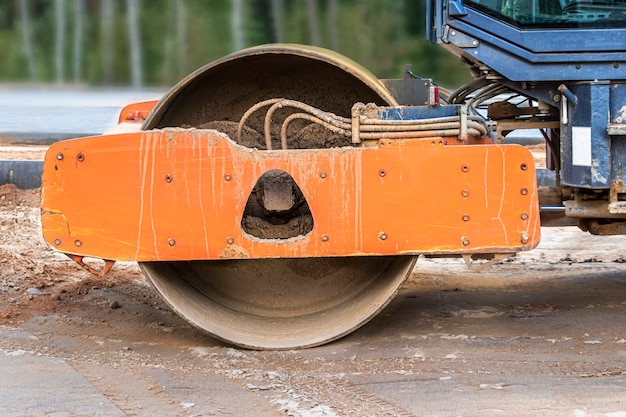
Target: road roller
(279,197)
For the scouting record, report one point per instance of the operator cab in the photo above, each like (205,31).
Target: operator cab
(543,14)
(534,40)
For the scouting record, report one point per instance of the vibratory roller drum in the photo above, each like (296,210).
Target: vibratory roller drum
(280,303)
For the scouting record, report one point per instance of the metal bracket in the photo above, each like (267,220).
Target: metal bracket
(356,112)
(497,258)
(108,264)
(456,8)
(615,129)
(459,39)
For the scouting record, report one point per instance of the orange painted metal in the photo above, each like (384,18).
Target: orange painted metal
(178,194)
(136,112)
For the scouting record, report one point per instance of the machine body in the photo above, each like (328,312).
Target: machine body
(284,207)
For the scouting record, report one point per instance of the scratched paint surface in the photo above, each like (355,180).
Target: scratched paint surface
(180,194)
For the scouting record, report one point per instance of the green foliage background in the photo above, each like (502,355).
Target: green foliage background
(382,35)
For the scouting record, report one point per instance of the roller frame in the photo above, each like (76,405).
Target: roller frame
(174,199)
(179,194)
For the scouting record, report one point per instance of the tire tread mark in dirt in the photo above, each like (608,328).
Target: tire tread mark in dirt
(298,380)
(344,397)
(129,391)
(348,389)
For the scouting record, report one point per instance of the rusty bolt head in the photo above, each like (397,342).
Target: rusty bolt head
(78,243)
(524,216)
(169,178)
(325,238)
(323,174)
(382,236)
(80,157)
(382,172)
(228,177)
(523,166)
(60,156)
(171,241)
(57,241)
(465,241)
(524,238)
(465,217)
(230,240)
(465,193)
(524,191)
(465,168)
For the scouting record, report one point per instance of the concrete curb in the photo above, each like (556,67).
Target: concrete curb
(24,174)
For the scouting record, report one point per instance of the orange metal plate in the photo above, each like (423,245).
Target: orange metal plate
(179,194)
(136,112)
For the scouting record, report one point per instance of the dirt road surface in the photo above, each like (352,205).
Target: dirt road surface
(543,334)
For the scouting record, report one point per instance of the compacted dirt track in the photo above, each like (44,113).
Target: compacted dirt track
(543,333)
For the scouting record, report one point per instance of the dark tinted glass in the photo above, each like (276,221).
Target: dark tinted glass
(539,14)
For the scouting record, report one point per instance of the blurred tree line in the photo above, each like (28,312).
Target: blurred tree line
(157,42)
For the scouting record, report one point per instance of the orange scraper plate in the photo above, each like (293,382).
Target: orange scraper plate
(178,194)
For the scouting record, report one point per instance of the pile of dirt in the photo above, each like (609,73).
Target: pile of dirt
(11,196)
